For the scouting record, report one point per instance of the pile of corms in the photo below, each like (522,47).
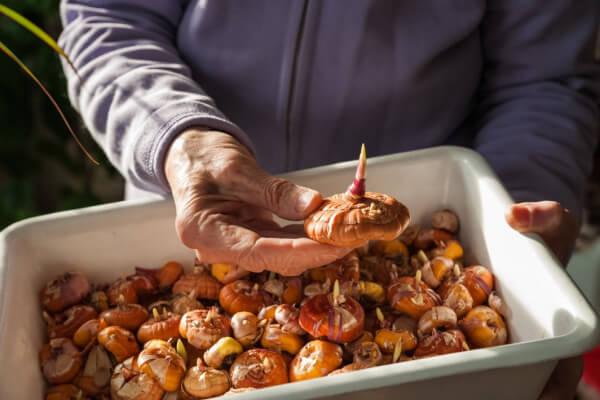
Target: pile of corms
(170,334)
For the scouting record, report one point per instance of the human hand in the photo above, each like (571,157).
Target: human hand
(224,203)
(558,229)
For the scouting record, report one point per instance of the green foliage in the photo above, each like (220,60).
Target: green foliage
(44,37)
(41,169)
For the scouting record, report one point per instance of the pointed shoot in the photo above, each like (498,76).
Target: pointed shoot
(181,350)
(336,292)
(422,256)
(397,351)
(357,188)
(379,314)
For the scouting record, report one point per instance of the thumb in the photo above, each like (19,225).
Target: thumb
(278,195)
(543,217)
(549,219)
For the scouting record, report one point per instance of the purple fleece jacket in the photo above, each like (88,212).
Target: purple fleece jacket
(304,82)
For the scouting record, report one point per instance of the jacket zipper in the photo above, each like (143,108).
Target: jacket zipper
(290,100)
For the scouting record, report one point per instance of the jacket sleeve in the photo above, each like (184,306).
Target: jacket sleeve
(137,93)
(537,119)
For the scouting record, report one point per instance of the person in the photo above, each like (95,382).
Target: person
(205,100)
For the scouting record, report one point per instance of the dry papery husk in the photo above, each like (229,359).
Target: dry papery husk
(345,221)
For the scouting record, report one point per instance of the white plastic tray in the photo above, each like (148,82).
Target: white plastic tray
(549,320)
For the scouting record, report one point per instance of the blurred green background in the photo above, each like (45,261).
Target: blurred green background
(41,168)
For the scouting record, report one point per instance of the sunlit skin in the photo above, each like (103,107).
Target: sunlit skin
(224,204)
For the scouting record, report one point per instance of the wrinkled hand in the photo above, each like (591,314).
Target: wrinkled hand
(558,228)
(224,203)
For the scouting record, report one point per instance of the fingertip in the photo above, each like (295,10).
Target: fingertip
(289,200)
(342,251)
(519,216)
(307,201)
(546,217)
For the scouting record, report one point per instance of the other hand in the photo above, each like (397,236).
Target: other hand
(558,229)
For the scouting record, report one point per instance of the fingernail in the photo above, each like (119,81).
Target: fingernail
(305,200)
(522,216)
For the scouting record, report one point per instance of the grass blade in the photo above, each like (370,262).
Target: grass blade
(36,80)
(33,28)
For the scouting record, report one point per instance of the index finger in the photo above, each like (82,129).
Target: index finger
(222,240)
(291,257)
